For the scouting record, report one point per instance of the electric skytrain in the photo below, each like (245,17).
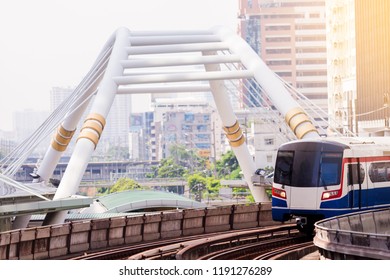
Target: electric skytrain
(321,178)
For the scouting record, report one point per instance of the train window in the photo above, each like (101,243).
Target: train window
(330,169)
(354,177)
(379,172)
(283,167)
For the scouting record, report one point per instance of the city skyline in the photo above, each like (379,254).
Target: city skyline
(54,43)
(21,91)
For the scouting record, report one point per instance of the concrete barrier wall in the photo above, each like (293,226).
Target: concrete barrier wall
(362,235)
(56,241)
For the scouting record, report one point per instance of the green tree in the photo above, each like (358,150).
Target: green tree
(213,186)
(227,167)
(169,169)
(197,184)
(124,184)
(180,163)
(187,158)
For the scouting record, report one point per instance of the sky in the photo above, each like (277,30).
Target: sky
(48,43)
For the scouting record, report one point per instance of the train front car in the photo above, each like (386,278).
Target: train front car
(308,175)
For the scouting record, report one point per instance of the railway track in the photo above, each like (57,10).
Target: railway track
(123,252)
(292,252)
(239,244)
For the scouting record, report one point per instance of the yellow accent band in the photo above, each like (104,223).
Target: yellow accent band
(91,124)
(298,120)
(304,129)
(292,113)
(57,146)
(90,135)
(235,135)
(96,117)
(232,129)
(238,142)
(61,139)
(64,132)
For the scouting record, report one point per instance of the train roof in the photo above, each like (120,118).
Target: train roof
(356,146)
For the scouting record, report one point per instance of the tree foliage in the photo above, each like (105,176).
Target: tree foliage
(188,158)
(227,167)
(197,184)
(181,163)
(169,169)
(124,184)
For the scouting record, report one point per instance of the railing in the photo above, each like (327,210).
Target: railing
(364,235)
(54,241)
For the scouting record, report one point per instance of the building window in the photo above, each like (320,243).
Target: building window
(186,127)
(284,74)
(278,62)
(269,141)
(201,127)
(278,39)
(277,27)
(189,117)
(277,51)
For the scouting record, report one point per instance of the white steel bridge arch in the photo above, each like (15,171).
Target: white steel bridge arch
(136,62)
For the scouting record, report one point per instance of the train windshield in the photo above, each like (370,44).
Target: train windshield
(308,168)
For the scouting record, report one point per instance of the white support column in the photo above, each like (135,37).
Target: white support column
(53,154)
(93,126)
(234,132)
(64,132)
(281,98)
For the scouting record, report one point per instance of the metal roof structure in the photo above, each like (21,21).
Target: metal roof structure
(138,200)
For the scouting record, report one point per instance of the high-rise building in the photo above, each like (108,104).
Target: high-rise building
(188,122)
(290,37)
(140,137)
(26,122)
(7,142)
(373,66)
(359,65)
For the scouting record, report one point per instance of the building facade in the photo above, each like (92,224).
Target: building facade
(25,123)
(341,47)
(290,37)
(359,66)
(188,122)
(372,66)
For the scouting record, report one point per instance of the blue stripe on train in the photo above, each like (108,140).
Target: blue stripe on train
(279,214)
(370,199)
(367,198)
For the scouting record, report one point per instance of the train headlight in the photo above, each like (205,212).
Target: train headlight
(279,193)
(330,194)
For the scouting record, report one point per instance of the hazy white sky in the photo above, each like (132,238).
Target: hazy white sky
(47,43)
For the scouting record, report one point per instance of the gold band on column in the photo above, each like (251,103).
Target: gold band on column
(299,122)
(90,135)
(97,117)
(234,134)
(238,142)
(92,128)
(61,139)
(304,129)
(232,129)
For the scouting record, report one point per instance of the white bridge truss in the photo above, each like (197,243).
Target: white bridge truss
(160,62)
